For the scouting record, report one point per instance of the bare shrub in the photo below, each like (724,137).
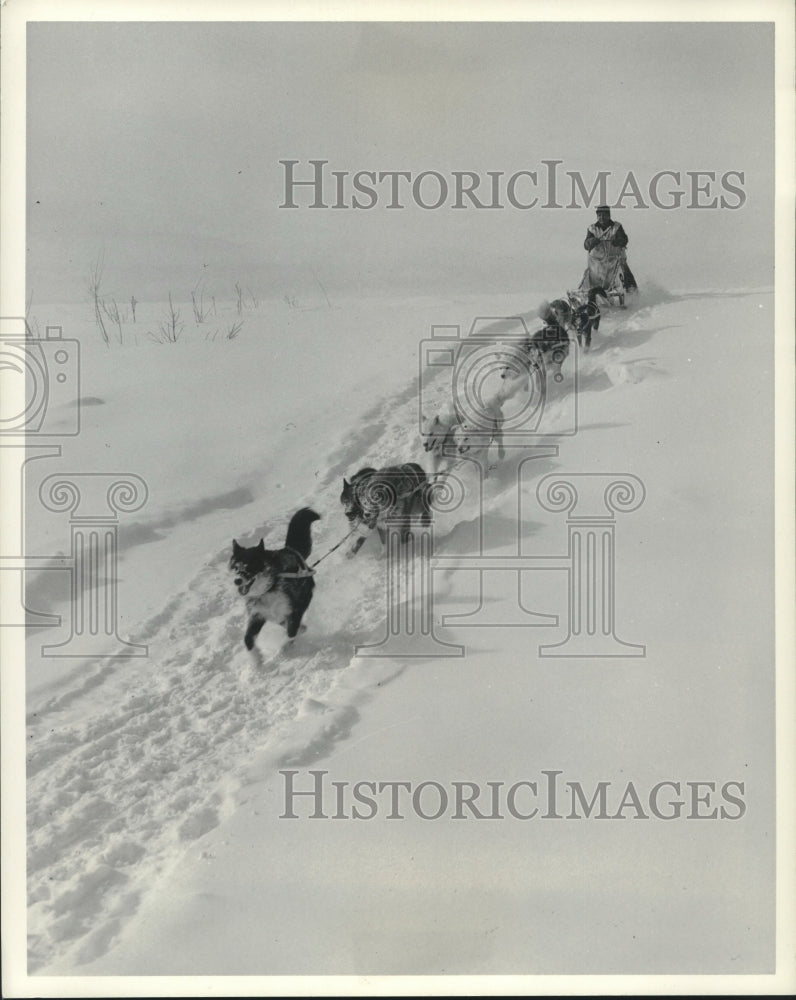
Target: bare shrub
(94,286)
(200,310)
(170,326)
(111,310)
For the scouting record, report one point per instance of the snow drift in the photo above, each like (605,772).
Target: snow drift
(155,844)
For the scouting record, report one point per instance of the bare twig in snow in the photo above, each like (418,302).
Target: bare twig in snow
(170,325)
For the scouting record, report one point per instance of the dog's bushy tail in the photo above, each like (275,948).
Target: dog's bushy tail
(299,537)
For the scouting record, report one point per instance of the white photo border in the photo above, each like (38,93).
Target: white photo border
(15,15)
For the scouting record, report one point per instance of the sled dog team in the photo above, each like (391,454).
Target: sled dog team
(277,584)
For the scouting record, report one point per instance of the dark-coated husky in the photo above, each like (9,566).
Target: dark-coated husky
(277,583)
(373,495)
(586,313)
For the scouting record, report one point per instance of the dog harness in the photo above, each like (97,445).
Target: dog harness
(299,574)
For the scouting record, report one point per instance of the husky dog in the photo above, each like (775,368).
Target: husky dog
(474,440)
(557,313)
(551,343)
(437,434)
(373,495)
(276,583)
(586,313)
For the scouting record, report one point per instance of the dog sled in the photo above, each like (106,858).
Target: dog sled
(607,270)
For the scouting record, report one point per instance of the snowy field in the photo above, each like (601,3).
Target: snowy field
(154,792)
(592,788)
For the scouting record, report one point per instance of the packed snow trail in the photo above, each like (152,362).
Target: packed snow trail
(155,766)
(117,793)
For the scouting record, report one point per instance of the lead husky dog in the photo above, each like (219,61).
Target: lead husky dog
(374,495)
(277,583)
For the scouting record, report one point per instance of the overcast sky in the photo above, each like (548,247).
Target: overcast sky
(158,145)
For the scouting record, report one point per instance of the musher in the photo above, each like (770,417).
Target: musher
(607,268)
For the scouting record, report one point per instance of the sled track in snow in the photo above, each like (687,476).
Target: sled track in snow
(115,801)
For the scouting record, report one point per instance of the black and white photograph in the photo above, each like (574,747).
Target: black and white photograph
(397,456)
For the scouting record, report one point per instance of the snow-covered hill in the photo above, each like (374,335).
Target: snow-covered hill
(155,844)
